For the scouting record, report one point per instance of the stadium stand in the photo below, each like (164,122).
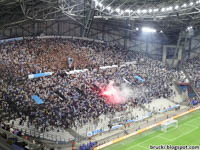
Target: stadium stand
(69,102)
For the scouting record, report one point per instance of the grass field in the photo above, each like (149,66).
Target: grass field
(187,133)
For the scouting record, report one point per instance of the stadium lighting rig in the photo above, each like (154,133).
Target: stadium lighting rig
(148,30)
(159,11)
(190,28)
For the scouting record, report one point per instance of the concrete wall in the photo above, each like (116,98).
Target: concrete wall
(149,44)
(46,28)
(195,46)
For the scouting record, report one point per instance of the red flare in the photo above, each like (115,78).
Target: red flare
(112,94)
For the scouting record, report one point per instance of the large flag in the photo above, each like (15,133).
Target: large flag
(139,78)
(38,75)
(37,99)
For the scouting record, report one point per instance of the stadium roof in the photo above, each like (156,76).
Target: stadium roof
(18,11)
(167,18)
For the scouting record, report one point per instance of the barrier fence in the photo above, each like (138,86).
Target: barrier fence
(22,139)
(98,131)
(48,137)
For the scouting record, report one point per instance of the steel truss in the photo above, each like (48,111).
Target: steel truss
(85,15)
(19,11)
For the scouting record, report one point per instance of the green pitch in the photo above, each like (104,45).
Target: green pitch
(187,133)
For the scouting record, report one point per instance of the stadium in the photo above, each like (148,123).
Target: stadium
(99,74)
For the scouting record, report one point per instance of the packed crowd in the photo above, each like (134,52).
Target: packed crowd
(73,100)
(192,67)
(44,55)
(88,146)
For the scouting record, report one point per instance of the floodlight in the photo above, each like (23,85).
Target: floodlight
(138,11)
(156,10)
(100,4)
(184,5)
(176,7)
(127,10)
(108,8)
(150,10)
(137,29)
(96,3)
(117,10)
(191,3)
(170,8)
(163,9)
(149,30)
(190,28)
(144,11)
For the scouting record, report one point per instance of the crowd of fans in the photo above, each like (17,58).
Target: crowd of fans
(42,55)
(72,100)
(88,146)
(192,67)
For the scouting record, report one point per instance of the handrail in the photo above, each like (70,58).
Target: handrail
(192,84)
(30,144)
(46,137)
(4,145)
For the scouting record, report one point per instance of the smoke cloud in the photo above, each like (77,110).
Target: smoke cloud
(120,94)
